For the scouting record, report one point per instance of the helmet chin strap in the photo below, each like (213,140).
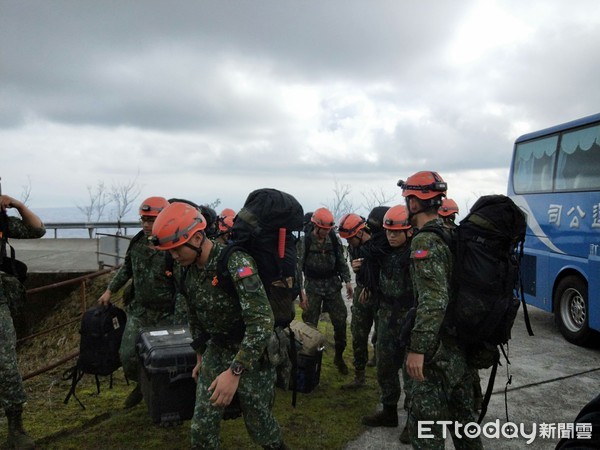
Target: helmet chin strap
(412,214)
(198,249)
(423,208)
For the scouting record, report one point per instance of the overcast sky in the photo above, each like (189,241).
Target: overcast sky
(212,99)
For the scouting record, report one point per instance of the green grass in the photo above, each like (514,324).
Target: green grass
(327,418)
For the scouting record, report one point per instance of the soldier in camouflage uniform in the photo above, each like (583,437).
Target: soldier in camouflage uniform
(12,295)
(150,300)
(352,227)
(442,384)
(323,263)
(396,299)
(230,332)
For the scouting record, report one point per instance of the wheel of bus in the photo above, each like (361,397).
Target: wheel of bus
(571,310)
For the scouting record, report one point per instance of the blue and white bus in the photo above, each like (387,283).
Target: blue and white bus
(555,179)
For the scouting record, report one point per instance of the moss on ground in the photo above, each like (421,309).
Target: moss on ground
(327,418)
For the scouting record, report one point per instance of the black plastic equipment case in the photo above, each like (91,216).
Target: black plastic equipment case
(166,364)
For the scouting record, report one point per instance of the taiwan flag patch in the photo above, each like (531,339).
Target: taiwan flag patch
(420,254)
(244,272)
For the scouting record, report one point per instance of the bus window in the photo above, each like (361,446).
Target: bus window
(534,165)
(578,160)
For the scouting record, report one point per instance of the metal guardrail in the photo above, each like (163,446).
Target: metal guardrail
(91,227)
(83,283)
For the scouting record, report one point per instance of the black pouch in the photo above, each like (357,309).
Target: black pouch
(14,267)
(406,327)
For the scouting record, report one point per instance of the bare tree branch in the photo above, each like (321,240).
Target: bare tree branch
(375,198)
(98,201)
(341,203)
(26,192)
(214,204)
(123,196)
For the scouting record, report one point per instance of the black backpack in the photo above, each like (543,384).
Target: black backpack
(264,229)
(487,247)
(9,263)
(486,292)
(101,331)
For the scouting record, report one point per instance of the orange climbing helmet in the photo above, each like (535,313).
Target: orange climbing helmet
(152,206)
(396,218)
(424,185)
(350,224)
(448,208)
(323,218)
(227,212)
(225,220)
(175,225)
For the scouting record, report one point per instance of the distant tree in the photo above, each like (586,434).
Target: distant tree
(99,199)
(214,204)
(375,198)
(123,195)
(26,192)
(341,203)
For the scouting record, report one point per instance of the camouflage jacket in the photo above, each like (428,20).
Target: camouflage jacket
(152,286)
(431,272)
(394,278)
(322,265)
(245,322)
(17,229)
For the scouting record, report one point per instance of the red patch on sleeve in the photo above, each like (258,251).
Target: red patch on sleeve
(420,254)
(244,272)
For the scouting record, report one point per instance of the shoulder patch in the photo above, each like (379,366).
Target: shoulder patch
(420,254)
(244,272)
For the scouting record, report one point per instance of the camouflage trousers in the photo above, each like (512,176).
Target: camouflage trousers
(256,392)
(331,303)
(446,394)
(390,356)
(11,384)
(363,318)
(138,318)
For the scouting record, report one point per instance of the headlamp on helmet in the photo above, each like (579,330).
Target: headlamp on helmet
(350,225)
(323,218)
(152,206)
(396,218)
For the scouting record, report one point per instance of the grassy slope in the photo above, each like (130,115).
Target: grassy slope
(327,418)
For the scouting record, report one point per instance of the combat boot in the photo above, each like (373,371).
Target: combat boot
(134,397)
(387,417)
(339,362)
(17,437)
(358,382)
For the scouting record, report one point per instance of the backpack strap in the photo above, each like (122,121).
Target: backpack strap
(294,359)
(488,392)
(224,280)
(75,375)
(519,247)
(444,233)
